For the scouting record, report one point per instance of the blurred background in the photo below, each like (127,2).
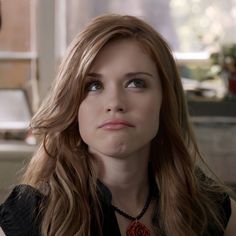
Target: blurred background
(35,34)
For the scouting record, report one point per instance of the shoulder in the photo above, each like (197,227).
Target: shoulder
(217,196)
(20,213)
(224,206)
(231,227)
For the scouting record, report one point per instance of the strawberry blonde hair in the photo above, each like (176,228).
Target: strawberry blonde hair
(63,163)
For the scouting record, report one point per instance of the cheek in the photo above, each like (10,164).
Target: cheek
(81,115)
(152,115)
(84,117)
(151,107)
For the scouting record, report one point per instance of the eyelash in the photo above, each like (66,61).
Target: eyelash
(143,83)
(90,84)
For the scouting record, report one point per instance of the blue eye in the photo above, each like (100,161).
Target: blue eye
(137,83)
(94,86)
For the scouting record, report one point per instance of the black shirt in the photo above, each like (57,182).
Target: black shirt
(20,215)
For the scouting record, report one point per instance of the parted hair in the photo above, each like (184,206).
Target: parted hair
(63,166)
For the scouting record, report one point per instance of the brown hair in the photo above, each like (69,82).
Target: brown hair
(62,160)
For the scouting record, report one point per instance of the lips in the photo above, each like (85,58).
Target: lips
(115,124)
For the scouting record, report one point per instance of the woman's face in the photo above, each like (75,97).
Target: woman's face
(120,113)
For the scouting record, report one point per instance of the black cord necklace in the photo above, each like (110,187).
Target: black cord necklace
(136,227)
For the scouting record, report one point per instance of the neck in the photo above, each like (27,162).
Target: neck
(126,178)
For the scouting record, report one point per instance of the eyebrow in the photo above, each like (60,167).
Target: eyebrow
(93,74)
(130,74)
(139,73)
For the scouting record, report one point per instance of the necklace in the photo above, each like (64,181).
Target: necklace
(135,227)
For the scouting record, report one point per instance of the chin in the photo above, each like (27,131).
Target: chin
(116,152)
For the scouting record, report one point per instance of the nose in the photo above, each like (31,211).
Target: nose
(115,102)
(115,109)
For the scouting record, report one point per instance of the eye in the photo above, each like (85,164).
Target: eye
(136,83)
(94,85)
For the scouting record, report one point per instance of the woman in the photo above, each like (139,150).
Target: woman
(117,155)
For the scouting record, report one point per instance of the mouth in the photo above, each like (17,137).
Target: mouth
(116,125)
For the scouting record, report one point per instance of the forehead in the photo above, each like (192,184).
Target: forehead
(126,54)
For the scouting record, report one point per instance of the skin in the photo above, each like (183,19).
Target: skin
(112,94)
(1,232)
(122,84)
(231,227)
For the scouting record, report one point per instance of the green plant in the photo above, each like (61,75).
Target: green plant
(225,58)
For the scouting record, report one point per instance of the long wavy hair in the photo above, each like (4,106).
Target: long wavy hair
(63,164)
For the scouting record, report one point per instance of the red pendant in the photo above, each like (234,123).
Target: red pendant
(137,229)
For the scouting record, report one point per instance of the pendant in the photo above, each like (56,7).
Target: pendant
(137,229)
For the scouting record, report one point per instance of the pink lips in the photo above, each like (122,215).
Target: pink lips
(115,125)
